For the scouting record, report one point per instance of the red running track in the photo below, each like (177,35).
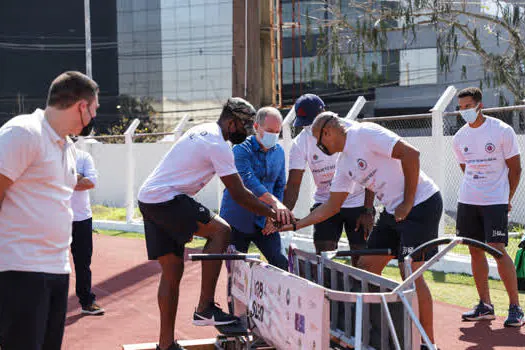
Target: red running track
(126,286)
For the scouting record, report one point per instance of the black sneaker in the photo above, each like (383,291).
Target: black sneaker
(480,312)
(213,316)
(174,346)
(92,309)
(515,318)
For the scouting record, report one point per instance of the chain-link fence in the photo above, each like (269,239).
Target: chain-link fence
(438,161)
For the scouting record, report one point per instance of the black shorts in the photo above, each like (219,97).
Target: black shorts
(420,226)
(332,228)
(168,226)
(485,223)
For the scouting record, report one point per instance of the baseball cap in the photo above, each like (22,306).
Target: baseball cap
(307,107)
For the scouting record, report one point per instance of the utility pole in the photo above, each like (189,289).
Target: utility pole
(87,25)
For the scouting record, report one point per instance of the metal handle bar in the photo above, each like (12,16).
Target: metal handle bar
(200,257)
(360,252)
(468,241)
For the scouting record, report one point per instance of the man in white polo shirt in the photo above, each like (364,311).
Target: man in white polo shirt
(82,234)
(379,160)
(488,154)
(37,178)
(353,217)
(172,216)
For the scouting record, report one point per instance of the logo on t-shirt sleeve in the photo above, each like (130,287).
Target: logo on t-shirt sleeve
(489,147)
(361,163)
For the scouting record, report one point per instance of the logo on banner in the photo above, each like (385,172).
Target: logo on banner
(361,163)
(299,323)
(489,147)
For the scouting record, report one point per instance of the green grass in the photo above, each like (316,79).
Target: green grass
(101,212)
(459,289)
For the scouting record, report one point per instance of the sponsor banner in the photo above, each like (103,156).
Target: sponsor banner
(287,310)
(241,276)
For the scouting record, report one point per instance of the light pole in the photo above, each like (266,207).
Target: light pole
(87,24)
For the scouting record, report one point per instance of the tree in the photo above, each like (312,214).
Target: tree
(129,109)
(461,28)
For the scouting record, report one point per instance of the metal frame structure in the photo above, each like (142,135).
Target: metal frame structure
(367,311)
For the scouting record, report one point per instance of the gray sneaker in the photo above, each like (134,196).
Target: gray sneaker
(515,318)
(480,312)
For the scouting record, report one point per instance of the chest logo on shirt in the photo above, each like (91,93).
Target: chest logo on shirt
(361,164)
(465,149)
(350,173)
(489,147)
(315,157)
(204,133)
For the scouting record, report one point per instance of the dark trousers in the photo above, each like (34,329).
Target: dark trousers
(270,246)
(33,309)
(82,250)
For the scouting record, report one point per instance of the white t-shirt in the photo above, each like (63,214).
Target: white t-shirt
(36,215)
(80,202)
(305,152)
(484,150)
(367,159)
(191,163)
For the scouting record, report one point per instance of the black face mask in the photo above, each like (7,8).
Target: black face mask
(86,130)
(237,137)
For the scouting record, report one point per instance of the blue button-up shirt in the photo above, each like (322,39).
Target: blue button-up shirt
(261,172)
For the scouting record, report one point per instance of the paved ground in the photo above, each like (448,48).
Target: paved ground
(126,284)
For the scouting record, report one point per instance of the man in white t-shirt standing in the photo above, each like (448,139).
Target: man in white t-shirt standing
(379,160)
(37,178)
(488,154)
(172,216)
(82,234)
(304,152)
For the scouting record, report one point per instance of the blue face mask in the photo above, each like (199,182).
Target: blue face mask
(269,139)
(469,115)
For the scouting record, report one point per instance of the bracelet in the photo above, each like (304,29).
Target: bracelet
(294,226)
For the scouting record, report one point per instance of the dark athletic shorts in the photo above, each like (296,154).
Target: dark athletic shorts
(420,226)
(332,228)
(485,223)
(168,226)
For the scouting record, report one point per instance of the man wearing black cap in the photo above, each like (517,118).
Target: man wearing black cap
(356,219)
(172,216)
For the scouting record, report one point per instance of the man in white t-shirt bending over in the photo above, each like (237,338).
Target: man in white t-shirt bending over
(488,154)
(172,216)
(304,152)
(379,160)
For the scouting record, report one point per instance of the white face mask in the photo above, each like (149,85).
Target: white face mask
(269,139)
(470,115)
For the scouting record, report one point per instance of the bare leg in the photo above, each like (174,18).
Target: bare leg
(424,298)
(168,296)
(507,273)
(217,232)
(480,271)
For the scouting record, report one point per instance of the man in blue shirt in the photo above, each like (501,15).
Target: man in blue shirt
(261,165)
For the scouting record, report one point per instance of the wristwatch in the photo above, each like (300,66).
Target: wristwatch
(371,211)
